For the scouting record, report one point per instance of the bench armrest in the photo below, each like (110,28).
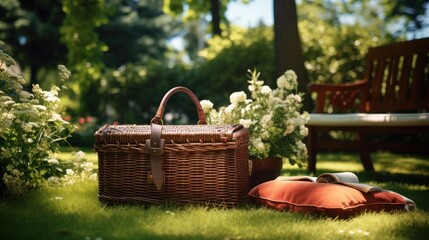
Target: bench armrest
(341,96)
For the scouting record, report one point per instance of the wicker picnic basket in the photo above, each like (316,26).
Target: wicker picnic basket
(159,163)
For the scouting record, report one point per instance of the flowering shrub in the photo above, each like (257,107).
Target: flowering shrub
(272,116)
(31,129)
(77,170)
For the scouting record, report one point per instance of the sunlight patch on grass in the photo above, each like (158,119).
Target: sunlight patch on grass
(391,226)
(341,167)
(338,162)
(402,163)
(383,161)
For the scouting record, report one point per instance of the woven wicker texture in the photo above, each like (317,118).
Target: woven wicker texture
(202,164)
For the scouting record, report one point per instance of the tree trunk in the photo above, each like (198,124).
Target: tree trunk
(288,45)
(33,78)
(215,12)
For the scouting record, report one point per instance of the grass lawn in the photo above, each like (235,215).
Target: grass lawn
(74,212)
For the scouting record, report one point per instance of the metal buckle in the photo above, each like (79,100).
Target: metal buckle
(154,150)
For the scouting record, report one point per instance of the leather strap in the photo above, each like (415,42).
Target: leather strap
(155,148)
(161,108)
(155,145)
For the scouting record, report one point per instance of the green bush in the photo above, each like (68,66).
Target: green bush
(226,59)
(31,129)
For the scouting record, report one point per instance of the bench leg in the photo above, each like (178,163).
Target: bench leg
(364,153)
(312,150)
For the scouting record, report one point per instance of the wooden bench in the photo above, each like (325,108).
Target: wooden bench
(392,100)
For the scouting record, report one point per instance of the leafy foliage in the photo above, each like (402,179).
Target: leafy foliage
(226,60)
(136,32)
(196,10)
(31,29)
(334,48)
(31,129)
(84,48)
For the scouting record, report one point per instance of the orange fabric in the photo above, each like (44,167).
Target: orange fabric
(331,200)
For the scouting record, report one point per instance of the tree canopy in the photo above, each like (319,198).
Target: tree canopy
(122,62)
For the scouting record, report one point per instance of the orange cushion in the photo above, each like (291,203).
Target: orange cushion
(331,200)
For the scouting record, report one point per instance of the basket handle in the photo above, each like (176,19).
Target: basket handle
(160,112)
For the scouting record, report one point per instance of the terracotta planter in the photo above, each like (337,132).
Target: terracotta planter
(263,170)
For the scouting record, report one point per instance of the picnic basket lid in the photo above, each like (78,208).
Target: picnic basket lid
(136,134)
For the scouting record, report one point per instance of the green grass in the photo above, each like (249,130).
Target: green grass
(74,212)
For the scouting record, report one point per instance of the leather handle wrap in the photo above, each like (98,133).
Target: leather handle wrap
(160,112)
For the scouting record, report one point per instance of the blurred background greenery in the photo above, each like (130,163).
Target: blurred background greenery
(122,60)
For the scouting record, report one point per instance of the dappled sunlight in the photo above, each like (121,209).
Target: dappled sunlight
(389,225)
(330,162)
(383,162)
(79,198)
(344,166)
(410,164)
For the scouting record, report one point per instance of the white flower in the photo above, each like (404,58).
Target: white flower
(36,89)
(80,155)
(289,129)
(237,97)
(259,83)
(69,172)
(55,90)
(266,119)
(206,105)
(246,122)
(87,166)
(265,90)
(293,99)
(282,82)
(257,142)
(53,180)
(50,97)
(9,102)
(303,130)
(230,108)
(25,95)
(288,80)
(225,115)
(40,108)
(170,213)
(300,145)
(64,72)
(57,117)
(53,161)
(291,76)
(265,134)
(297,98)
(27,127)
(93,176)
(305,116)
(274,100)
